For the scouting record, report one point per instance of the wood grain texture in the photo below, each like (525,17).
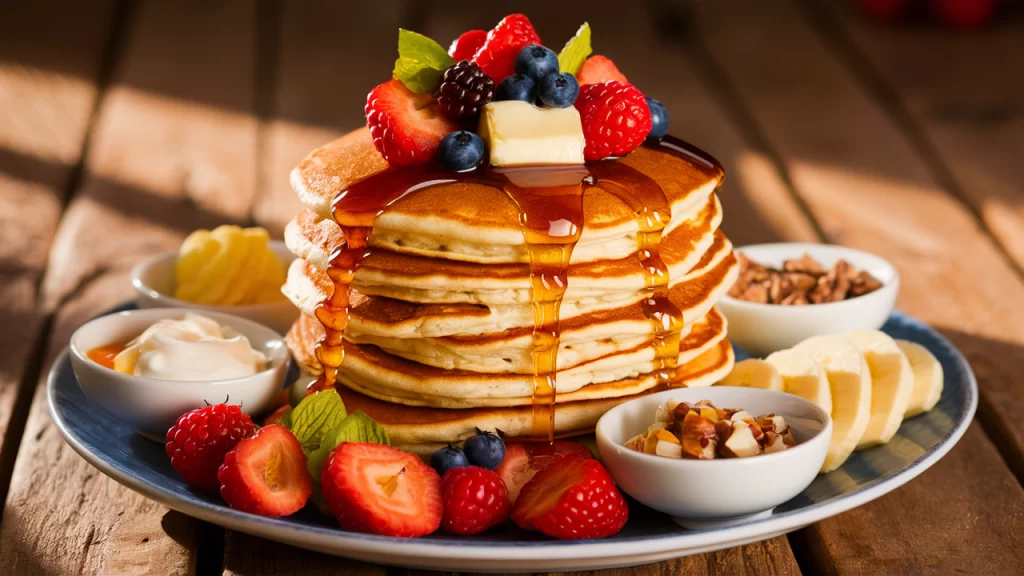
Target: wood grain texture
(970,120)
(869,189)
(159,167)
(50,61)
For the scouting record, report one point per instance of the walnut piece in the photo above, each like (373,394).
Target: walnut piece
(800,282)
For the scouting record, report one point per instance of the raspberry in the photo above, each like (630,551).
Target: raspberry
(475,499)
(199,440)
(464,90)
(615,119)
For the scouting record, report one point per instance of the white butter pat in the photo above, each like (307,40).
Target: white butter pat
(518,133)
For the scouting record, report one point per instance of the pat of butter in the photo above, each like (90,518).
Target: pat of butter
(518,133)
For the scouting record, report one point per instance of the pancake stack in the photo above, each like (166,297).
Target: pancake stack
(440,334)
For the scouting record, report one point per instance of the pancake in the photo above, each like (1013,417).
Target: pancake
(423,430)
(376,373)
(473,222)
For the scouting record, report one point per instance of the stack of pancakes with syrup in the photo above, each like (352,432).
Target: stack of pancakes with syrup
(436,301)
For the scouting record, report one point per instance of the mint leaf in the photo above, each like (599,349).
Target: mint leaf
(356,427)
(421,62)
(286,420)
(575,51)
(315,416)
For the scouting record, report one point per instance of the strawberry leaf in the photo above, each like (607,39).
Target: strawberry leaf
(421,62)
(575,51)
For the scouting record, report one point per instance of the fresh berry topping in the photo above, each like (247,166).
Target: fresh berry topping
(536,62)
(465,46)
(266,474)
(575,499)
(475,499)
(523,461)
(659,120)
(485,450)
(558,90)
(615,119)
(461,150)
(516,87)
(598,69)
(406,127)
(448,458)
(464,90)
(381,490)
(199,440)
(498,54)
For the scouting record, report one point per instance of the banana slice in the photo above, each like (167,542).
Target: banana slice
(892,381)
(802,376)
(753,373)
(850,381)
(928,378)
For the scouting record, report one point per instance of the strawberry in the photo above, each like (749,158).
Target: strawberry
(598,68)
(266,474)
(574,499)
(615,117)
(200,438)
(523,461)
(498,54)
(277,416)
(475,499)
(381,490)
(465,46)
(406,127)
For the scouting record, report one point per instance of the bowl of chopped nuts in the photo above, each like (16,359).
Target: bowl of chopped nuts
(712,457)
(788,292)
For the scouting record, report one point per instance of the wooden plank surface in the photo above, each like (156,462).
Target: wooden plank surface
(968,118)
(50,61)
(870,189)
(159,166)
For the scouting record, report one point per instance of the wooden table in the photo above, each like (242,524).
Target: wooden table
(123,126)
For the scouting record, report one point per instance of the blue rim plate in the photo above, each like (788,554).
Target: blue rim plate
(112,446)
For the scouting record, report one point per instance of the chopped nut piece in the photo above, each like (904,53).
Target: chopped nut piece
(775,445)
(636,443)
(669,450)
(666,436)
(696,434)
(805,264)
(742,415)
(801,282)
(709,413)
(741,444)
(650,444)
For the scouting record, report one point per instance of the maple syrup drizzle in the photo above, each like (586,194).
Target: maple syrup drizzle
(550,203)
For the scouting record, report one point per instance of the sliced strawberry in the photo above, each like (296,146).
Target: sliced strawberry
(465,46)
(598,68)
(576,498)
(498,54)
(378,489)
(266,474)
(406,127)
(277,416)
(523,461)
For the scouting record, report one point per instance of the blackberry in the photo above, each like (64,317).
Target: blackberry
(464,90)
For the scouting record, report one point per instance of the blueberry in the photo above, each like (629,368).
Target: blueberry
(558,90)
(461,150)
(485,450)
(447,458)
(659,120)
(517,87)
(536,62)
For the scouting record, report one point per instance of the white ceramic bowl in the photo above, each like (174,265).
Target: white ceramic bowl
(720,492)
(761,329)
(153,405)
(154,280)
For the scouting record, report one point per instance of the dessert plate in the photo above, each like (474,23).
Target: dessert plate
(113,447)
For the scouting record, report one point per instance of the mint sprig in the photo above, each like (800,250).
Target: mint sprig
(421,62)
(575,51)
(357,427)
(315,416)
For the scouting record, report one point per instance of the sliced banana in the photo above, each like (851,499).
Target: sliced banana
(850,381)
(928,378)
(803,376)
(892,381)
(754,373)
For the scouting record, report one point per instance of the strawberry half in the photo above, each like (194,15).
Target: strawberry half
(266,474)
(598,68)
(378,489)
(523,461)
(497,56)
(465,46)
(406,128)
(575,499)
